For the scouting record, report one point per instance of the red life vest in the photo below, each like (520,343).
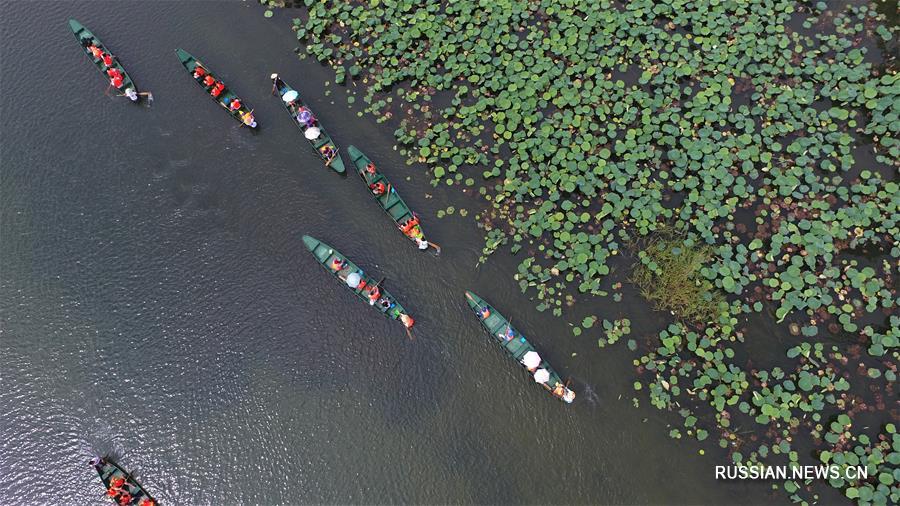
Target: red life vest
(199,72)
(235,105)
(370,168)
(96,51)
(217,89)
(377,188)
(374,293)
(209,80)
(113,72)
(107,59)
(117,81)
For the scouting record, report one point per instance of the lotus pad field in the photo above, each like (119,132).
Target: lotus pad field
(758,137)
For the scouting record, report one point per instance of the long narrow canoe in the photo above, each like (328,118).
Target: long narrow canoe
(86,38)
(109,470)
(390,201)
(294,105)
(243,114)
(326,255)
(515,344)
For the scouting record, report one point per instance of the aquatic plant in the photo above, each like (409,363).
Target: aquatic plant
(669,275)
(764,131)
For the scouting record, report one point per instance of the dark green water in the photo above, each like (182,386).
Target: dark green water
(158,305)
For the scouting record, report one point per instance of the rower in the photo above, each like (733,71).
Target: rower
(407,320)
(374,293)
(377,188)
(370,168)
(96,52)
(247,119)
(209,80)
(327,151)
(107,59)
(484,312)
(199,72)
(337,265)
(559,390)
(131,94)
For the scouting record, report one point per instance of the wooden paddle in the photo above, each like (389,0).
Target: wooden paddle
(437,249)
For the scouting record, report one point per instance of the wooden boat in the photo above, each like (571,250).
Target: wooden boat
(86,38)
(327,256)
(243,114)
(109,470)
(390,201)
(517,346)
(294,105)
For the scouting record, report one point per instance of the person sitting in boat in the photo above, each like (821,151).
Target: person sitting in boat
(115,78)
(410,224)
(199,72)
(421,243)
(217,89)
(484,312)
(209,80)
(147,501)
(248,119)
(96,52)
(377,188)
(559,389)
(125,499)
(117,482)
(385,303)
(374,294)
(327,151)
(235,105)
(508,335)
(407,320)
(338,265)
(107,59)
(370,168)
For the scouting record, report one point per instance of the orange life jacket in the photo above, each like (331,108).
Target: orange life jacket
(374,293)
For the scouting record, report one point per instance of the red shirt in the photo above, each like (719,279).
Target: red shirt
(107,59)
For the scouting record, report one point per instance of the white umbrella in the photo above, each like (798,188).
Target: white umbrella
(542,376)
(311,133)
(289,96)
(353,280)
(531,359)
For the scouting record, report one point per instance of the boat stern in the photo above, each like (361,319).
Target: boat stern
(310,242)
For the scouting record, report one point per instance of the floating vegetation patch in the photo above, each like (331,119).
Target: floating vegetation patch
(669,274)
(765,131)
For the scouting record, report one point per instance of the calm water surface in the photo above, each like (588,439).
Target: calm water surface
(158,303)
